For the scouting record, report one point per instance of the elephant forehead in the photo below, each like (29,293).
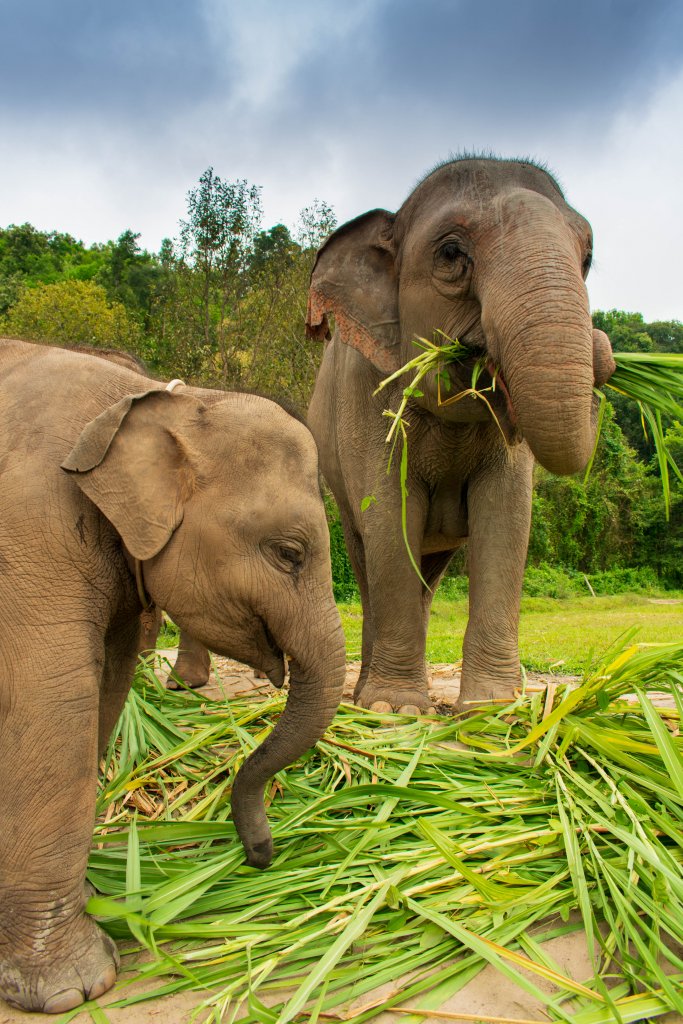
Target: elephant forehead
(280,515)
(471,187)
(260,434)
(487,177)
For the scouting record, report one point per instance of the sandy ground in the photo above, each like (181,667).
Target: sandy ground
(486,998)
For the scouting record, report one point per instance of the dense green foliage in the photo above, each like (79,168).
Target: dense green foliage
(223,305)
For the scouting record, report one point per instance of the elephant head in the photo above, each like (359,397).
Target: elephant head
(221,505)
(489,253)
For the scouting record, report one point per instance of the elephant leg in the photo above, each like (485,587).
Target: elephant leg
(499,510)
(193,664)
(52,955)
(121,648)
(356,553)
(433,567)
(397,676)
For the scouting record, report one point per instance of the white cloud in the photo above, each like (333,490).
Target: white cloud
(630,188)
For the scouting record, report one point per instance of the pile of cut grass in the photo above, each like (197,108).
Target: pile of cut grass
(413,852)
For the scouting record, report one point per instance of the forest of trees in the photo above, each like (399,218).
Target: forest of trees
(223,305)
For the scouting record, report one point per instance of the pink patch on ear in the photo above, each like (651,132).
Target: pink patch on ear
(317,326)
(380,353)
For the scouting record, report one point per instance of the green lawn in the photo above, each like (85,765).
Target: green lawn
(565,633)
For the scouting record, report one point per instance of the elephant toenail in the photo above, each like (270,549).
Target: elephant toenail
(410,709)
(381,707)
(103,983)
(63,1001)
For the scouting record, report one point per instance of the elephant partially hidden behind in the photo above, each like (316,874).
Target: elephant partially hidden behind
(489,253)
(105,476)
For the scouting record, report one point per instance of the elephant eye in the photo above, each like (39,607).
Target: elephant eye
(452,265)
(586,265)
(450,251)
(289,556)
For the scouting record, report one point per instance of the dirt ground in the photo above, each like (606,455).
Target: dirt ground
(487,998)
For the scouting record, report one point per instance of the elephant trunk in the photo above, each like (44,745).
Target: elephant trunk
(315,691)
(538,327)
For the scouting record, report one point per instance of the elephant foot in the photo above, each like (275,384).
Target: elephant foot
(479,693)
(192,666)
(55,982)
(383,698)
(176,681)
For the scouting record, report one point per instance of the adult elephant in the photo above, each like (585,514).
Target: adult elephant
(113,487)
(490,253)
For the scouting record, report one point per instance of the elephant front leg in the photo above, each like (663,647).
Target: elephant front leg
(52,955)
(499,515)
(396,678)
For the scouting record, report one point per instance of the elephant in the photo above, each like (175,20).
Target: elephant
(113,487)
(487,252)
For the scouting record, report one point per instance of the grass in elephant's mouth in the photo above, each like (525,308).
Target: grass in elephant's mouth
(424,849)
(654,380)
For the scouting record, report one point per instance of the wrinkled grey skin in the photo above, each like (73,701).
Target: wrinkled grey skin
(193,662)
(91,478)
(489,253)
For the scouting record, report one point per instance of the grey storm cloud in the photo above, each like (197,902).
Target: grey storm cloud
(110,111)
(132,57)
(506,61)
(531,58)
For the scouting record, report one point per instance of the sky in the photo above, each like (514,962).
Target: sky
(110,112)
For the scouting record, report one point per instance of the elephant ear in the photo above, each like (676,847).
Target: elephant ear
(132,462)
(355,279)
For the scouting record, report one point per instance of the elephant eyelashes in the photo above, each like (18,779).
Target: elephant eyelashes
(586,265)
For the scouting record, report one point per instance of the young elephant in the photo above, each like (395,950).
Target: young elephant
(104,477)
(193,662)
(490,253)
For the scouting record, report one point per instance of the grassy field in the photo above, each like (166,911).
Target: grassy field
(567,634)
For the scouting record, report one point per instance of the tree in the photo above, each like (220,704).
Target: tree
(316,222)
(130,274)
(215,247)
(29,257)
(277,359)
(275,246)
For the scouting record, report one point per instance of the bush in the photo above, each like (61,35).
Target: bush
(72,313)
(343,581)
(592,525)
(642,580)
(546,580)
(454,587)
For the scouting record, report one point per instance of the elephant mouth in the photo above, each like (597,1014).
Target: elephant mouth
(477,370)
(274,664)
